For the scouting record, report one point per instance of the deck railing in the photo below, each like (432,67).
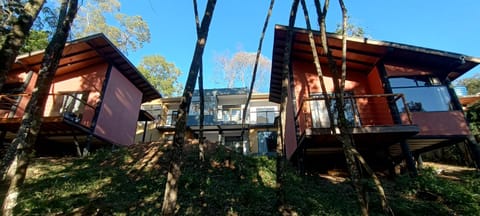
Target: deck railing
(67,105)
(360,110)
(71,106)
(253,118)
(9,103)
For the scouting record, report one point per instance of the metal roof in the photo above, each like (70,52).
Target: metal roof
(88,51)
(362,56)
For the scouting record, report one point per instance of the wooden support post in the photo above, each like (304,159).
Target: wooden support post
(474,150)
(144,131)
(87,149)
(77,146)
(408,158)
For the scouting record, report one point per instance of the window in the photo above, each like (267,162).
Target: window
(422,93)
(71,105)
(231,114)
(320,118)
(267,141)
(265,115)
(171,118)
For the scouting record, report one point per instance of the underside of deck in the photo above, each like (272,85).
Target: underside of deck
(380,145)
(324,141)
(57,134)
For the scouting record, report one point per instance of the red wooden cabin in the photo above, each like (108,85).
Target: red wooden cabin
(95,96)
(395,94)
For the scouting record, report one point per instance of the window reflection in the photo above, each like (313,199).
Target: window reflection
(265,115)
(422,94)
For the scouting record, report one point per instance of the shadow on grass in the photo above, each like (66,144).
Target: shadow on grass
(131,181)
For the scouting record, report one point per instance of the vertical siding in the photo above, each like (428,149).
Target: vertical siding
(376,111)
(118,115)
(24,101)
(290,133)
(450,123)
(372,111)
(89,80)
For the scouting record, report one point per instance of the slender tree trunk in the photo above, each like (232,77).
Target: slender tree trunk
(16,37)
(201,144)
(174,170)
(283,110)
(255,67)
(318,67)
(381,193)
(31,121)
(345,136)
(201,141)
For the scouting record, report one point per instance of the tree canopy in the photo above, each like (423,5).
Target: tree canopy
(161,74)
(237,70)
(128,33)
(352,29)
(472,84)
(36,40)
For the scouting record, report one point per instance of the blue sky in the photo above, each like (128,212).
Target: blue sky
(444,25)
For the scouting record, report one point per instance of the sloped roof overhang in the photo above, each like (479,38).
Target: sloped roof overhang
(362,56)
(91,50)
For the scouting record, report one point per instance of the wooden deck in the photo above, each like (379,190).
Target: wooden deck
(51,126)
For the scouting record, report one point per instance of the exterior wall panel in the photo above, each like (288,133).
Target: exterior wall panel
(87,80)
(440,123)
(118,115)
(24,100)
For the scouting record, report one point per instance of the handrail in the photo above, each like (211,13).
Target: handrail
(393,98)
(74,98)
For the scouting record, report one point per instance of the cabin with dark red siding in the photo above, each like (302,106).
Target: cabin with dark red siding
(95,97)
(398,98)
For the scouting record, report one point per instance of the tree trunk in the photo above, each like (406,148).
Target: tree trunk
(31,121)
(254,73)
(16,37)
(201,144)
(345,136)
(283,110)
(174,170)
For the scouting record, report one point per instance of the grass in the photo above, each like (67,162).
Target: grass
(131,182)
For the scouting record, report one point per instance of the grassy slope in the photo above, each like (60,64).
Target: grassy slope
(131,181)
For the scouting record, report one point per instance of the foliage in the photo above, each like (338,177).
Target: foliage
(131,181)
(353,30)
(161,74)
(473,117)
(238,69)
(10,11)
(472,84)
(128,33)
(440,195)
(36,40)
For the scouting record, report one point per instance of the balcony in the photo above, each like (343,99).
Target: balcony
(369,120)
(229,117)
(62,111)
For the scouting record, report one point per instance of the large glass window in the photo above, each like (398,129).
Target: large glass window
(319,112)
(422,93)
